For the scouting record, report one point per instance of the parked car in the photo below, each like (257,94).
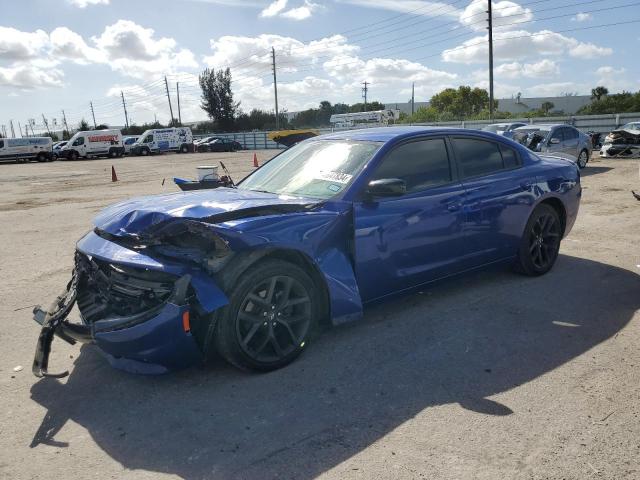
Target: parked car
(504,129)
(622,142)
(219,145)
(94,143)
(57,147)
(203,140)
(26,148)
(558,139)
(325,228)
(128,144)
(161,140)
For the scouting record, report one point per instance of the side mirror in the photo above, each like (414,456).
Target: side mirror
(387,187)
(554,141)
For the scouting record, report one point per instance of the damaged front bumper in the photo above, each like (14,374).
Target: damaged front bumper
(142,314)
(619,150)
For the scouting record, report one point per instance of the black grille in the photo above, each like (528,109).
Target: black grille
(107,290)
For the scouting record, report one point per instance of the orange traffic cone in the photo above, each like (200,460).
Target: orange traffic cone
(114,177)
(255,160)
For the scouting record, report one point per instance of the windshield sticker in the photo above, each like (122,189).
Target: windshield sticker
(334,188)
(335,177)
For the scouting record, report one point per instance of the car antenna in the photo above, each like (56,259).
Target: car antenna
(226,172)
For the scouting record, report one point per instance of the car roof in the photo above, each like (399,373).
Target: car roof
(385,134)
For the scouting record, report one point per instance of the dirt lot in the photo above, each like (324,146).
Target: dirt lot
(489,376)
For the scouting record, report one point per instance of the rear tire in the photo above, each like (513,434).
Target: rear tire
(74,155)
(583,159)
(41,158)
(540,242)
(273,312)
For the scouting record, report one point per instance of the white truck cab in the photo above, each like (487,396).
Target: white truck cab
(94,143)
(158,140)
(27,148)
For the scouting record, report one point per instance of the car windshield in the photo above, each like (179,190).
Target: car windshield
(314,168)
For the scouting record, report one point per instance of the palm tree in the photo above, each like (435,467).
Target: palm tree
(599,92)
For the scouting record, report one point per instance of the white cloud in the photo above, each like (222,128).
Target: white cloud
(505,13)
(274,8)
(555,89)
(28,77)
(85,3)
(615,79)
(18,45)
(520,44)
(301,13)
(582,17)
(543,68)
(67,44)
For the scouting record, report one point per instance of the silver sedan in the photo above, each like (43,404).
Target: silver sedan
(557,139)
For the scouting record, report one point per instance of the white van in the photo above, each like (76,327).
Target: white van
(160,140)
(28,148)
(94,143)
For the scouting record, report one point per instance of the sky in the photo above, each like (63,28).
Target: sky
(63,54)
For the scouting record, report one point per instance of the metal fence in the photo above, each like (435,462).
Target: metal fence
(597,123)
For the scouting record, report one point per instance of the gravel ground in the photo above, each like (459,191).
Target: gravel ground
(488,376)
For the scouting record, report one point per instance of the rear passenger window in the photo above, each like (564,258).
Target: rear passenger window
(477,157)
(570,133)
(509,157)
(420,164)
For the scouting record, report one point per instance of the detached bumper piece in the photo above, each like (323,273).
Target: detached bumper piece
(140,319)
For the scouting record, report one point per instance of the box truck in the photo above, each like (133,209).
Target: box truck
(158,140)
(94,143)
(28,148)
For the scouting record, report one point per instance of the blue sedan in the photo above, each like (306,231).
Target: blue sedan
(323,230)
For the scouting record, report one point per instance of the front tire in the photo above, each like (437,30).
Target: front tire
(272,314)
(144,152)
(540,242)
(583,159)
(184,149)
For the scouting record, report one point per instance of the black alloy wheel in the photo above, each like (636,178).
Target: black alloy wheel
(540,243)
(271,317)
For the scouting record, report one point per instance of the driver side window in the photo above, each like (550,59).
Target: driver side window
(557,134)
(421,164)
(79,141)
(149,139)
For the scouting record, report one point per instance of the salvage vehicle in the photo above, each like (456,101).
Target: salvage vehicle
(26,148)
(623,142)
(504,129)
(556,139)
(161,140)
(325,228)
(94,143)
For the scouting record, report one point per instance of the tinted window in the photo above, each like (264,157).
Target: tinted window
(420,164)
(1,143)
(570,133)
(79,141)
(477,157)
(149,139)
(509,157)
(557,133)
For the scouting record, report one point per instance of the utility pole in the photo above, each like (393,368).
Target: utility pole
(413,97)
(93,114)
(20,129)
(13,133)
(365,89)
(490,19)
(46,124)
(4,131)
(275,85)
(166,84)
(26,129)
(178,94)
(66,125)
(124,105)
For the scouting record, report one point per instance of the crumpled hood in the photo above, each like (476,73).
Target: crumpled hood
(134,216)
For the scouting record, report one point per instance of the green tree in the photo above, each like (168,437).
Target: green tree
(546,107)
(371,107)
(599,92)
(461,103)
(83,126)
(217,98)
